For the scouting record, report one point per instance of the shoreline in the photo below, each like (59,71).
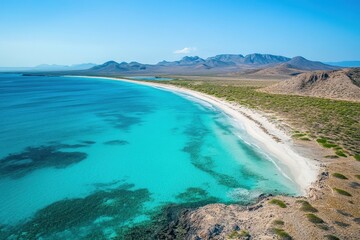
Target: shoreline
(268,136)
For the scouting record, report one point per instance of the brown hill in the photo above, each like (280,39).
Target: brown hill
(292,67)
(339,84)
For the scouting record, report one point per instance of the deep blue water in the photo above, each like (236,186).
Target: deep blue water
(81,156)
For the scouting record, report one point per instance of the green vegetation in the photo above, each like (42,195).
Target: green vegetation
(306,206)
(238,235)
(278,222)
(281,234)
(278,202)
(342,192)
(244,233)
(357,157)
(357,176)
(313,218)
(339,175)
(234,235)
(340,153)
(324,142)
(323,226)
(331,237)
(305,139)
(297,135)
(335,121)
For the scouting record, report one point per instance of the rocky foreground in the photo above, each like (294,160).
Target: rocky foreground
(329,211)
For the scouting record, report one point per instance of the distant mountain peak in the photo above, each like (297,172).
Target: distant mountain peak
(109,63)
(221,63)
(257,58)
(302,63)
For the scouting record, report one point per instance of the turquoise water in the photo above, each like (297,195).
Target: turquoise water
(81,156)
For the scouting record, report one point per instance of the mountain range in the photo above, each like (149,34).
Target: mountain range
(220,64)
(229,64)
(49,67)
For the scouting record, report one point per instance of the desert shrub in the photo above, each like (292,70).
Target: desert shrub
(278,202)
(313,218)
(342,192)
(339,175)
(281,234)
(306,206)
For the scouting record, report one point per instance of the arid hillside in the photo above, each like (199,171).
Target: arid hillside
(339,84)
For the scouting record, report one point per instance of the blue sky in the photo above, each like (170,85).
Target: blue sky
(33,32)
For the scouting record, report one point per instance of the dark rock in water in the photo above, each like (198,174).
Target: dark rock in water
(32,158)
(116,142)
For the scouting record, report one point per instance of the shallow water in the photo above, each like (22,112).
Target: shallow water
(82,156)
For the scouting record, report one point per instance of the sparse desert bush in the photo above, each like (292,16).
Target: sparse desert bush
(281,234)
(313,218)
(297,135)
(306,206)
(278,222)
(339,175)
(324,142)
(340,153)
(342,192)
(278,202)
(331,237)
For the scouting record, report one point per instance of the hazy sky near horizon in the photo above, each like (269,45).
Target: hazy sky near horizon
(35,32)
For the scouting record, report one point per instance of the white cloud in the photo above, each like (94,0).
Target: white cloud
(185,50)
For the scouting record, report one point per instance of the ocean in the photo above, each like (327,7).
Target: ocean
(84,157)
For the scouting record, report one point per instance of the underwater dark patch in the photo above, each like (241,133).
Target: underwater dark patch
(226,128)
(88,142)
(32,158)
(70,215)
(116,142)
(250,151)
(206,164)
(197,133)
(192,194)
(120,121)
(64,146)
(112,184)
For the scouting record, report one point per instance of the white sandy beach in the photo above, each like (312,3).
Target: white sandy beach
(268,136)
